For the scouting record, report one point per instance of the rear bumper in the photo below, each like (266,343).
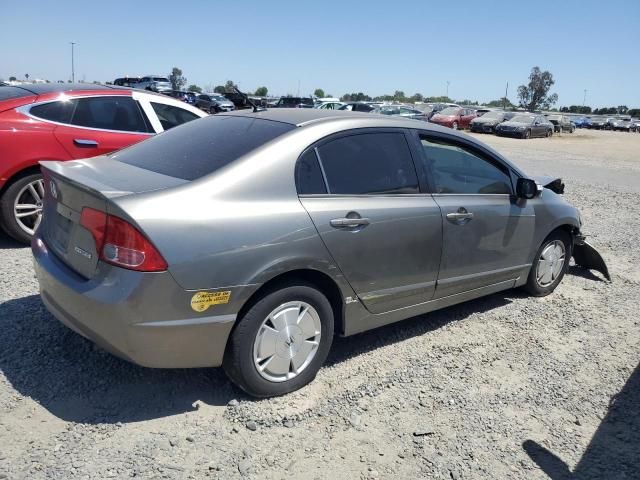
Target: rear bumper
(141,317)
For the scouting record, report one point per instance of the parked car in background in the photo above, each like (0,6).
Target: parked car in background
(329,105)
(598,123)
(341,234)
(127,81)
(488,122)
(581,122)
(635,125)
(401,111)
(561,123)
(55,121)
(187,97)
(357,107)
(526,126)
(609,123)
(294,102)
(214,103)
(154,83)
(454,117)
(622,125)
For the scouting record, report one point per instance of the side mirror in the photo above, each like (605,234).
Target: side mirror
(526,188)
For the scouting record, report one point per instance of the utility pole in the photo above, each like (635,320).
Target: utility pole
(506,95)
(584,98)
(73,72)
(448,89)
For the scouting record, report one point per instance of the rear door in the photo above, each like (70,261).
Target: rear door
(99,125)
(362,193)
(487,232)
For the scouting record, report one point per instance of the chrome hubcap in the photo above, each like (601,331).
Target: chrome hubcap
(287,341)
(27,207)
(550,263)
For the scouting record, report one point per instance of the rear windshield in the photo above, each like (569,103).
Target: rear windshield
(7,92)
(203,146)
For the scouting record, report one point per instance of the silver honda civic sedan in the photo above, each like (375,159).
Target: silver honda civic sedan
(248,240)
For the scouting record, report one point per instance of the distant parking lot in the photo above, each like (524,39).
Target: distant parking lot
(506,386)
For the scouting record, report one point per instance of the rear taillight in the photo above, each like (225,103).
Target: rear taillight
(120,243)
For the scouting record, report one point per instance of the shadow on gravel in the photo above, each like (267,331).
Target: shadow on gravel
(6,242)
(344,348)
(614,450)
(76,381)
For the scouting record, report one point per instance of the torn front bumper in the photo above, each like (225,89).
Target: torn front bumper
(588,257)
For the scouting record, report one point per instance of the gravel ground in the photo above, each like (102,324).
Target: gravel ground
(502,387)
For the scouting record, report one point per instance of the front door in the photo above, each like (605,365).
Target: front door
(487,233)
(384,235)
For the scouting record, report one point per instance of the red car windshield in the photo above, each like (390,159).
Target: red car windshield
(450,111)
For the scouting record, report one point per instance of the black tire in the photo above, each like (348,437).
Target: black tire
(549,133)
(238,360)
(212,110)
(454,125)
(7,217)
(527,134)
(533,287)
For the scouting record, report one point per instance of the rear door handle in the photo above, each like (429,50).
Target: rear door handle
(349,222)
(84,143)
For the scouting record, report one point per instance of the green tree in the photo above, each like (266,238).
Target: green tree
(634,112)
(261,91)
(219,89)
(230,86)
(622,109)
(12,79)
(416,97)
(504,102)
(441,99)
(194,88)
(319,93)
(177,79)
(535,95)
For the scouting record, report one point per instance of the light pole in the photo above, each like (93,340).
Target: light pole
(448,89)
(73,73)
(584,99)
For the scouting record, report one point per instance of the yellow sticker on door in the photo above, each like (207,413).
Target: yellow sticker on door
(203,300)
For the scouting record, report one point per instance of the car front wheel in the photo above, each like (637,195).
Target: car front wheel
(281,342)
(550,264)
(455,125)
(526,134)
(21,207)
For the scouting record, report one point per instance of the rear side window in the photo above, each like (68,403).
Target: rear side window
(458,170)
(59,111)
(109,113)
(369,163)
(309,179)
(197,149)
(171,116)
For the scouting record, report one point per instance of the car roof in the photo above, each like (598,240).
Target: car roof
(44,88)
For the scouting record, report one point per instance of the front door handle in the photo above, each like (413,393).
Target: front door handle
(349,222)
(460,217)
(83,143)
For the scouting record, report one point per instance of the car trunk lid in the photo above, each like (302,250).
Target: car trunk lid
(94,183)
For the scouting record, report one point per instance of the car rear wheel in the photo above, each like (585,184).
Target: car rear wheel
(526,134)
(281,342)
(550,264)
(21,207)
(454,125)
(549,133)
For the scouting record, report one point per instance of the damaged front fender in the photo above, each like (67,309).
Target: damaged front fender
(588,257)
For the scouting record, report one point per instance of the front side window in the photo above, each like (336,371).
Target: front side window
(369,163)
(458,170)
(59,111)
(109,113)
(171,116)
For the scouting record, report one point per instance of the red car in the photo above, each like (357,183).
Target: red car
(67,122)
(454,117)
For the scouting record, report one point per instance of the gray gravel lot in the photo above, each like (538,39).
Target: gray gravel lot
(502,387)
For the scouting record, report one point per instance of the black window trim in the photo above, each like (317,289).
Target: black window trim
(26,110)
(483,154)
(360,131)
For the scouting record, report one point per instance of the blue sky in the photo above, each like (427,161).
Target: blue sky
(373,47)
